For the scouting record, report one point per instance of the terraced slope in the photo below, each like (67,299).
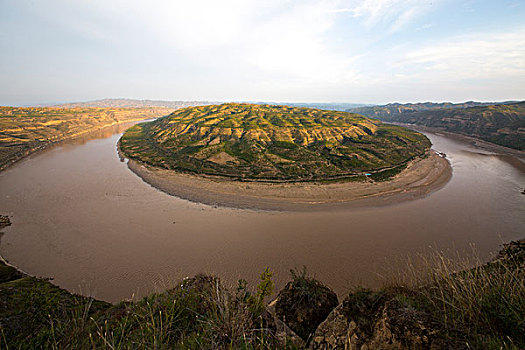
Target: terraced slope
(263,142)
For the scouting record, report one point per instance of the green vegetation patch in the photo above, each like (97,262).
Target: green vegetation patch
(264,142)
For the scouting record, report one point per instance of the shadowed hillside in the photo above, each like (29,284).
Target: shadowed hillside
(502,124)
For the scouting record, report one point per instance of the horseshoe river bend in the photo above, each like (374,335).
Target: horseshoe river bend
(83,219)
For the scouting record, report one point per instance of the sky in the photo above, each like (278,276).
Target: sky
(354,51)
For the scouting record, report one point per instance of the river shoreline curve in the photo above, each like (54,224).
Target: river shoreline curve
(43,146)
(421,177)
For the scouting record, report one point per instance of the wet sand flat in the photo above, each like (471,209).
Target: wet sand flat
(421,177)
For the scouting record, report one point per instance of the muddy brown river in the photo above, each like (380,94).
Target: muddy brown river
(82,218)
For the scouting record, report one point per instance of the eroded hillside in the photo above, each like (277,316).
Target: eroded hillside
(25,129)
(264,142)
(502,124)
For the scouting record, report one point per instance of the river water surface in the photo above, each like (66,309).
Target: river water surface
(81,217)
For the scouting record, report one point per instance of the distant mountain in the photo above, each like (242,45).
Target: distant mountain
(131,103)
(334,106)
(502,124)
(392,110)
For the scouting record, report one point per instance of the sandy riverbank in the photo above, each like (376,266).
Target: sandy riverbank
(511,156)
(101,131)
(420,178)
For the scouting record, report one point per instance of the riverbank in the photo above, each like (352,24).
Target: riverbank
(27,130)
(511,156)
(420,178)
(479,307)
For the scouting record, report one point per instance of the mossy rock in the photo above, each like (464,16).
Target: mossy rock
(8,273)
(303,304)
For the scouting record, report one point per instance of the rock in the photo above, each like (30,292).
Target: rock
(367,320)
(401,327)
(284,336)
(303,304)
(334,332)
(9,273)
(4,221)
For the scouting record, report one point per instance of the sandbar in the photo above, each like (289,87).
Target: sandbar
(420,178)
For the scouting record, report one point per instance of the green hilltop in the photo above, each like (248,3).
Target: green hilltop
(267,142)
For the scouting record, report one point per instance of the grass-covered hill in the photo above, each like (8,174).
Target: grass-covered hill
(26,129)
(265,142)
(391,110)
(502,124)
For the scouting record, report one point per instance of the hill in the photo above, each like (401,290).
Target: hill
(334,106)
(502,124)
(392,110)
(26,129)
(267,142)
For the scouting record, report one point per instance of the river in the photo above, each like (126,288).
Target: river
(82,218)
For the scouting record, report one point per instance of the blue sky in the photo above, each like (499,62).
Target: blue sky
(362,51)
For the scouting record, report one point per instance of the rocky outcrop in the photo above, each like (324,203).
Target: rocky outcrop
(4,221)
(284,336)
(368,320)
(303,304)
(202,309)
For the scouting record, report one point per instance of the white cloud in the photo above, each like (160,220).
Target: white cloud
(285,40)
(479,56)
(248,49)
(480,66)
(395,13)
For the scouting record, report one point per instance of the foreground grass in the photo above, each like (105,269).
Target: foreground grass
(26,129)
(481,307)
(447,307)
(486,303)
(198,313)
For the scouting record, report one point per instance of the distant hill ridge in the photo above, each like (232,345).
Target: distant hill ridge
(502,123)
(132,103)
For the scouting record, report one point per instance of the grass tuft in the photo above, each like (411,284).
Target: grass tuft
(484,304)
